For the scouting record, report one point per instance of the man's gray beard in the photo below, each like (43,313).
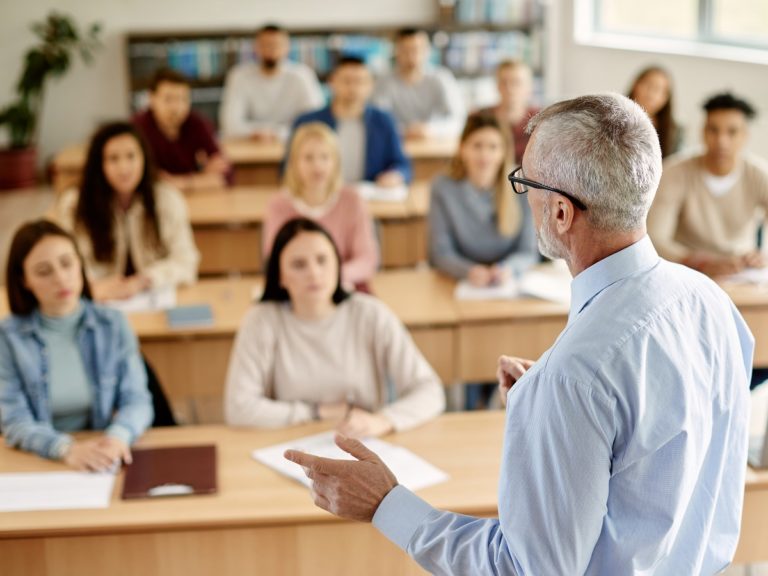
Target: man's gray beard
(548,244)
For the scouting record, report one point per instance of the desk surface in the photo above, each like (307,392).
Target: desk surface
(465,445)
(247,204)
(253,152)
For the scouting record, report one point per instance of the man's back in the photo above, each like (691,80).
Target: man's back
(635,423)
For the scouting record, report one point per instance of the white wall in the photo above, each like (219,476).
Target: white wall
(89,95)
(583,69)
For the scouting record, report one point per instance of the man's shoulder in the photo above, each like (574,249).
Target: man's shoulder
(683,162)
(668,299)
(319,115)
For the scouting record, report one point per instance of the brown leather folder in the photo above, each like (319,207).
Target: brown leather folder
(171,471)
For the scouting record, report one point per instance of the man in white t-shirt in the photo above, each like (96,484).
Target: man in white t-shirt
(425,100)
(261,99)
(709,206)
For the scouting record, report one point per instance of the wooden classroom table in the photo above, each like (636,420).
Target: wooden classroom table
(231,217)
(259,523)
(263,523)
(259,162)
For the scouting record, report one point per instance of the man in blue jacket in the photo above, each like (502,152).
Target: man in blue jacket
(368,139)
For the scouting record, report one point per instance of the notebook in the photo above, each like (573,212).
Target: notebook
(194,315)
(171,471)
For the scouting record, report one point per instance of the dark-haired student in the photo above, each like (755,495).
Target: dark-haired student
(261,99)
(66,364)
(652,89)
(709,206)
(370,145)
(311,351)
(182,142)
(133,232)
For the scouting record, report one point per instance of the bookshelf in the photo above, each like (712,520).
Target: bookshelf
(469,37)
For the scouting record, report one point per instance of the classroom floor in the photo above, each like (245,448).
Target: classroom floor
(16,208)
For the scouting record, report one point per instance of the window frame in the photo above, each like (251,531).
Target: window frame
(587,31)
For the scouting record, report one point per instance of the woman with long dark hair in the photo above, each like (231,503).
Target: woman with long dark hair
(652,89)
(66,364)
(312,351)
(133,232)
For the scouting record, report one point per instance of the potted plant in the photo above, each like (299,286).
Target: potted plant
(59,43)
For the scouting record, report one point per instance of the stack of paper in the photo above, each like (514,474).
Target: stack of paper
(411,471)
(370,191)
(54,491)
(504,291)
(749,276)
(148,301)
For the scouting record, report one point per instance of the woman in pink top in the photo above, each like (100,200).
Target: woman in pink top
(313,189)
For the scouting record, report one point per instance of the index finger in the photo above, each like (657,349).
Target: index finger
(314,463)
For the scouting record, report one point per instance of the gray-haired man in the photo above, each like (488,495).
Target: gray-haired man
(625,443)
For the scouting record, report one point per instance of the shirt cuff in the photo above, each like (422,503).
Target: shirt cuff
(60,447)
(400,514)
(120,432)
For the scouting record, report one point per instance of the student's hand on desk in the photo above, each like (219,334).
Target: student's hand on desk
(358,424)
(265,136)
(390,179)
(350,489)
(93,455)
(715,266)
(416,131)
(216,164)
(335,412)
(500,274)
(480,275)
(116,449)
(510,370)
(754,260)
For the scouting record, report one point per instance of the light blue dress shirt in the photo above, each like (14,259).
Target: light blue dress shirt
(625,444)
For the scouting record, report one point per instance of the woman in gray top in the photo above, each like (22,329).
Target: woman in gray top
(479,229)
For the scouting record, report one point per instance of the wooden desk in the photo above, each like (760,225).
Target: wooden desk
(259,162)
(263,523)
(222,219)
(258,523)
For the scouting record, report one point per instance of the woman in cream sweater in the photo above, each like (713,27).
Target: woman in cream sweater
(312,351)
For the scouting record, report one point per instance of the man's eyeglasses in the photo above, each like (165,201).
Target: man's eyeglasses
(521,185)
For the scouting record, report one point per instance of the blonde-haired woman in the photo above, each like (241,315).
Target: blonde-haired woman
(479,229)
(313,189)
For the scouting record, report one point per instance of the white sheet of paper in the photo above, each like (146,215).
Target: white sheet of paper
(54,491)
(148,301)
(369,191)
(547,284)
(749,276)
(411,471)
(505,291)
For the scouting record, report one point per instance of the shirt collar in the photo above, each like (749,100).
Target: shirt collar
(589,283)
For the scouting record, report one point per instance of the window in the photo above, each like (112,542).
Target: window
(730,29)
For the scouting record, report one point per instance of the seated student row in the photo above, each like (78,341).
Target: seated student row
(68,364)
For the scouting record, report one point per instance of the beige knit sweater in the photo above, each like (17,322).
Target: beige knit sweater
(361,353)
(686,217)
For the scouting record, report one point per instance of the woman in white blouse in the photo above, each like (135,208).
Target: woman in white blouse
(311,351)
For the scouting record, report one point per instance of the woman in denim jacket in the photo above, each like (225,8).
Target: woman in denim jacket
(66,364)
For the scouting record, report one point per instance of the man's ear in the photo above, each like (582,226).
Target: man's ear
(564,212)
